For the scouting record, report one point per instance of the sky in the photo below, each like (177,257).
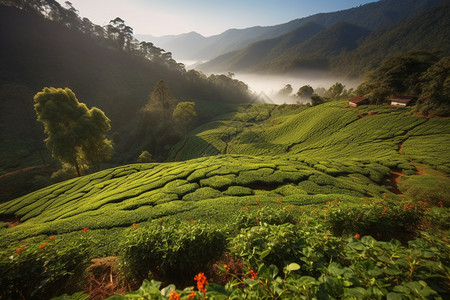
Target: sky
(207,17)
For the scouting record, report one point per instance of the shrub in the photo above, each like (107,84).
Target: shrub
(170,250)
(253,215)
(39,271)
(384,219)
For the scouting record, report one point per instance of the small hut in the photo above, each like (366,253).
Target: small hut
(357,101)
(402,101)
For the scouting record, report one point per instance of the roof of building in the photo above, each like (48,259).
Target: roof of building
(357,99)
(402,99)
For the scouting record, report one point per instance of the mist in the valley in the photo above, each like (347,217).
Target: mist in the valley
(268,86)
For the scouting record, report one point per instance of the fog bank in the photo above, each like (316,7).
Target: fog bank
(271,84)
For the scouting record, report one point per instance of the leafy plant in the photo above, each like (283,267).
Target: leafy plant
(170,250)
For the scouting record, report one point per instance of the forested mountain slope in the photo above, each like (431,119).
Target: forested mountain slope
(343,47)
(369,16)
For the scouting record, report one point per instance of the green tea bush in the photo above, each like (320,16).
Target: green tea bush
(253,215)
(39,271)
(170,250)
(384,219)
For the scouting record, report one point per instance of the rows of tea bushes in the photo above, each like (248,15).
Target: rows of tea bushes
(331,131)
(209,187)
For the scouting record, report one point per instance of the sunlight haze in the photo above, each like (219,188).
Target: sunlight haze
(205,17)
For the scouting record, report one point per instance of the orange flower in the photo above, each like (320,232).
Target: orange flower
(43,245)
(357,236)
(160,219)
(20,249)
(52,237)
(227,268)
(85,229)
(174,296)
(326,237)
(326,210)
(384,210)
(328,202)
(201,282)
(253,275)
(279,201)
(191,295)
(291,207)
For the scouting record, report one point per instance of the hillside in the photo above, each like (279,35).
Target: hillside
(370,16)
(342,47)
(267,185)
(310,44)
(303,156)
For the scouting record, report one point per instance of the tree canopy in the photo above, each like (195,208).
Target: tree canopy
(76,134)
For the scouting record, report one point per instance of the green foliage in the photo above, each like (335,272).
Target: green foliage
(74,132)
(184,114)
(384,219)
(172,250)
(42,270)
(145,157)
(251,216)
(397,75)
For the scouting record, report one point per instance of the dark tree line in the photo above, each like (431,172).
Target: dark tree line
(116,33)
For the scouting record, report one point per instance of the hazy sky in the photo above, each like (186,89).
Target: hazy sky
(207,17)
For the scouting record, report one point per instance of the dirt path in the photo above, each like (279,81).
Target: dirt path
(23,170)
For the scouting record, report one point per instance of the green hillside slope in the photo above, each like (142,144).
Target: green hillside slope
(303,156)
(328,131)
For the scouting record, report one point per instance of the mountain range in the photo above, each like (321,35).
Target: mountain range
(322,41)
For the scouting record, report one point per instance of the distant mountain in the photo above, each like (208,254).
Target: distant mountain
(259,52)
(309,44)
(186,43)
(370,16)
(342,48)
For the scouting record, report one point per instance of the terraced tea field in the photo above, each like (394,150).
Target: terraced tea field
(329,131)
(301,156)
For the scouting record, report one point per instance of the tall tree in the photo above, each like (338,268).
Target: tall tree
(184,114)
(161,103)
(305,92)
(74,132)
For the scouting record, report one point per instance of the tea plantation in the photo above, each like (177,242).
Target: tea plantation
(324,171)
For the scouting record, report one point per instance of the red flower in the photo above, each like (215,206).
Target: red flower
(291,207)
(253,275)
(384,210)
(85,229)
(201,282)
(328,202)
(278,201)
(441,204)
(191,295)
(227,268)
(43,245)
(174,296)
(326,237)
(357,236)
(20,249)
(52,237)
